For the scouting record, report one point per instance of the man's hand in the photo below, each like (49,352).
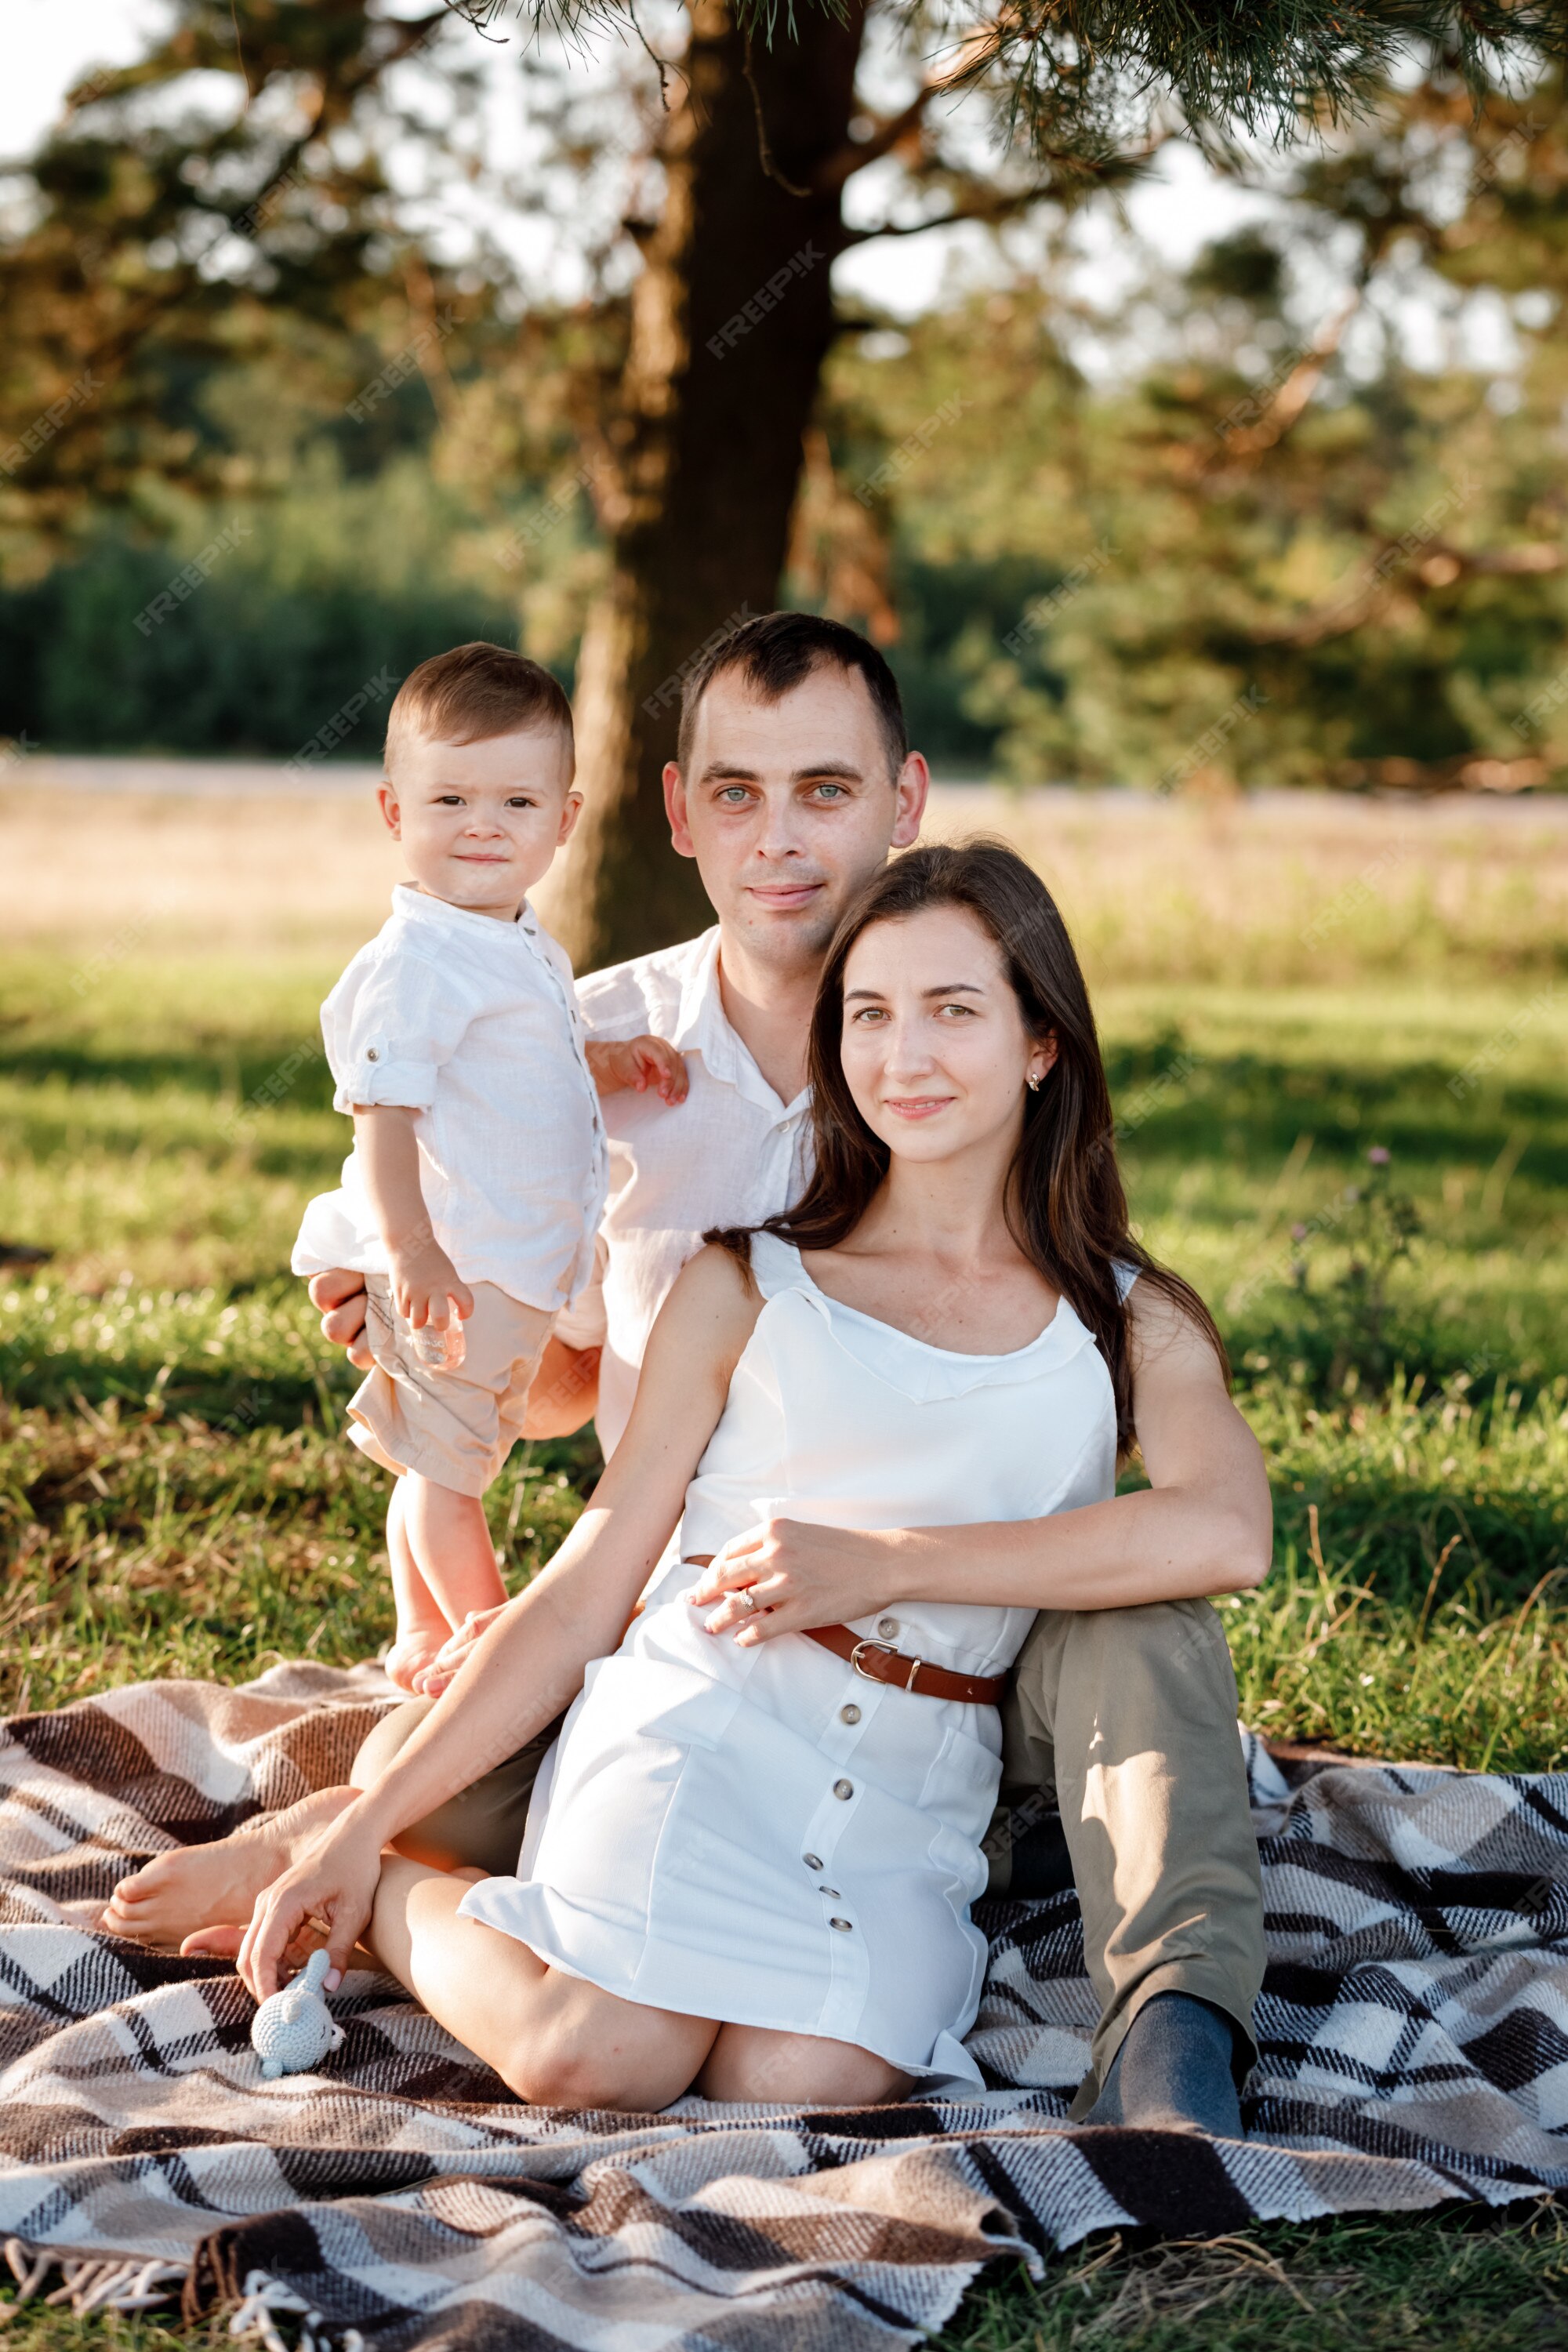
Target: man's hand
(798,1576)
(425,1286)
(340,1297)
(638,1063)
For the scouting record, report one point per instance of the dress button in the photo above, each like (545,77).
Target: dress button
(850,1714)
(845,1788)
(842,1926)
(373,1054)
(812,1861)
(831,1892)
(887,1627)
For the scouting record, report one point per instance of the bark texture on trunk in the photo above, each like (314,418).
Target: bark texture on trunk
(731,319)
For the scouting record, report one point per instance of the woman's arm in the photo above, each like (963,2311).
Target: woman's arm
(529,1663)
(1204,1525)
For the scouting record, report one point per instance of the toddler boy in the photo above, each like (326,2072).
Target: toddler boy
(472,1196)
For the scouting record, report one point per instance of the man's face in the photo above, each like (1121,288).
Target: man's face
(788,806)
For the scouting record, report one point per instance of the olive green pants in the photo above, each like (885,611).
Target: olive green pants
(1124,1720)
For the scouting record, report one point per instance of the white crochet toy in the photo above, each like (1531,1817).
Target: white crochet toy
(294,2028)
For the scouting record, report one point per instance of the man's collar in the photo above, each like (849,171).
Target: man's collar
(702,1026)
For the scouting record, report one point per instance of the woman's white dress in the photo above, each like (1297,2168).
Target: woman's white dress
(760,1834)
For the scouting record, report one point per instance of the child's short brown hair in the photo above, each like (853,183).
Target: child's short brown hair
(471,694)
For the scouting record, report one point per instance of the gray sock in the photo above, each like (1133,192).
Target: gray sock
(1173,2069)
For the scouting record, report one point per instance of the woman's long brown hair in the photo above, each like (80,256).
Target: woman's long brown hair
(1064,1203)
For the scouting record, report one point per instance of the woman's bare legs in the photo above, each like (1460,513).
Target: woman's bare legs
(554,2039)
(196,1887)
(197,1890)
(559,2042)
(754,2063)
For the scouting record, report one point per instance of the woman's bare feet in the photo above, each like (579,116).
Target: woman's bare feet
(198,1886)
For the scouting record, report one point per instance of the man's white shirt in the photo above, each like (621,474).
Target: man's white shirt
(731,1154)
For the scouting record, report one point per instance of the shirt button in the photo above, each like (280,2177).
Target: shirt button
(845,1788)
(842,1926)
(831,1892)
(850,1714)
(812,1861)
(373,1054)
(887,1627)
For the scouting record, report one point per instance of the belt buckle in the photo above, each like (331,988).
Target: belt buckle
(888,1649)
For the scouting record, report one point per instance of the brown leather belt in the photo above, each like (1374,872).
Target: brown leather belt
(879,1662)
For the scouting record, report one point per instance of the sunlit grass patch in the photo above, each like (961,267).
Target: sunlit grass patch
(154,1544)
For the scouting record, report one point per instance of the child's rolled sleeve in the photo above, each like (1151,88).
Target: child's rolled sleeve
(403,1023)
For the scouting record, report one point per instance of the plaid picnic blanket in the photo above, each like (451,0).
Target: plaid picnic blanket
(1414,2049)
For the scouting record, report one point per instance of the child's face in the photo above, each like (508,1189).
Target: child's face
(479,822)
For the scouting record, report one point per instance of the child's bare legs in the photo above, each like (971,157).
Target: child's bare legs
(443,1569)
(421,1627)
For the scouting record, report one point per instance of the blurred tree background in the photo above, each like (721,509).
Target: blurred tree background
(1295,515)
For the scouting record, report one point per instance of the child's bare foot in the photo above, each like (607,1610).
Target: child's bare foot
(412,1652)
(196,1887)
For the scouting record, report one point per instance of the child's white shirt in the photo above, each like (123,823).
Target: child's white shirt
(473,1023)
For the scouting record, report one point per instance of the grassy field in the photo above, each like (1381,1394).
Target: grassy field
(1283,991)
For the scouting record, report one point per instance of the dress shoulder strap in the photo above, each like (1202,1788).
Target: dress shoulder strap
(776,1267)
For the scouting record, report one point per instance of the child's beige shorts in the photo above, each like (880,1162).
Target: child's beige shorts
(454,1428)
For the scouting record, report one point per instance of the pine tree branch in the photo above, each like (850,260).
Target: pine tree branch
(990,208)
(980,200)
(841,168)
(1069,70)
(895,128)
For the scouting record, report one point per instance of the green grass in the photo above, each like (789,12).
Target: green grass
(1468,2282)
(174,1498)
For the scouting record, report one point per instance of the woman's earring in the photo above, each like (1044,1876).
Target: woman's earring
(1035,1082)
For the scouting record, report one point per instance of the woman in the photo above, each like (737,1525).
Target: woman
(750,1860)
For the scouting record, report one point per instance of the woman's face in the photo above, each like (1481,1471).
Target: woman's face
(935,1051)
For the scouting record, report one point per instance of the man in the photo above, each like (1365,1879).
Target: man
(792,734)
(793,781)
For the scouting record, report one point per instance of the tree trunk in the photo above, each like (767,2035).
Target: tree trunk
(731,319)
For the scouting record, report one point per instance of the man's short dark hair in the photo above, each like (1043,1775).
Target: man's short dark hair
(774,651)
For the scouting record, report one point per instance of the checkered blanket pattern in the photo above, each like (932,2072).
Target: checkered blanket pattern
(1414,2032)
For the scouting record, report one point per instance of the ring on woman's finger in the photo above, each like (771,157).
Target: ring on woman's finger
(747,1597)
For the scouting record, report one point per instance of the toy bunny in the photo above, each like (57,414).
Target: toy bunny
(294,2028)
